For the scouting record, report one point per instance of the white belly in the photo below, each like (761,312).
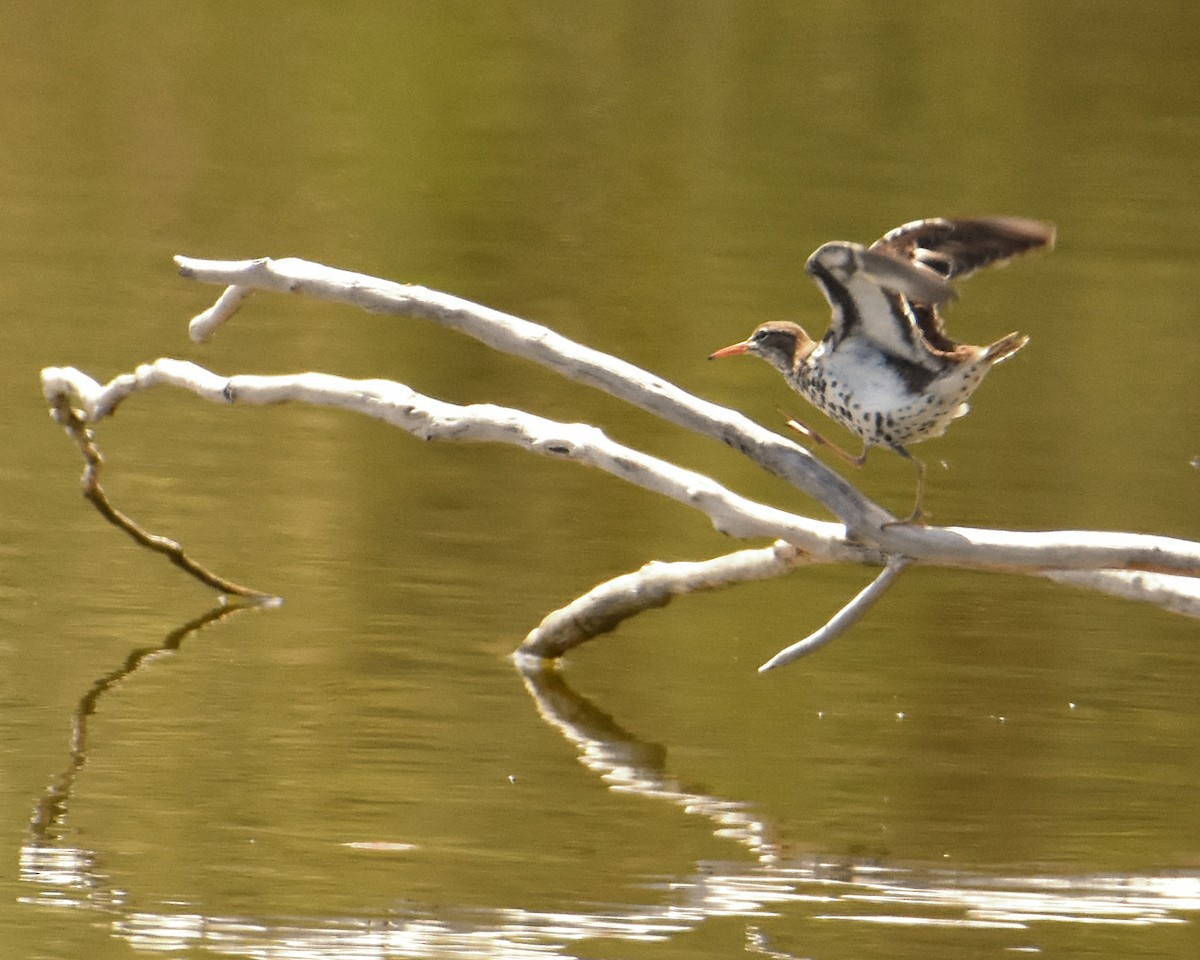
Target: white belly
(857,387)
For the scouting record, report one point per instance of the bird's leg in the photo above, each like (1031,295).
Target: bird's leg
(918,513)
(806,431)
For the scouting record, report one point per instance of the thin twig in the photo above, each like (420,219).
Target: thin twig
(841,621)
(85,438)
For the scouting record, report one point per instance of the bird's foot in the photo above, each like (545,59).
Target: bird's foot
(916,520)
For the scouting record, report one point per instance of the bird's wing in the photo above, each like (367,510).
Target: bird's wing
(872,296)
(955,249)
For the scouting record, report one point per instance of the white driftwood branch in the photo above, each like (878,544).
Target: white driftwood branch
(841,621)
(432,419)
(537,343)
(866,521)
(1175,593)
(1159,570)
(604,607)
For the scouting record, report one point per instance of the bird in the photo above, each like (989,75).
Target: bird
(886,369)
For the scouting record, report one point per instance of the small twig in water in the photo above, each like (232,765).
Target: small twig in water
(85,437)
(841,621)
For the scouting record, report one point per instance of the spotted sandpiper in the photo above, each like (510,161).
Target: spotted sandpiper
(886,369)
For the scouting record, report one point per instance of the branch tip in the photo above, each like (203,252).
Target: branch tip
(843,620)
(85,439)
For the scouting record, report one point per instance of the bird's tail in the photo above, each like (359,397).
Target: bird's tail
(1004,348)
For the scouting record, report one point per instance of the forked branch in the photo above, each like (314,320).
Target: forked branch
(1159,570)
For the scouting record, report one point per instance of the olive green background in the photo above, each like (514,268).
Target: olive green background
(362,769)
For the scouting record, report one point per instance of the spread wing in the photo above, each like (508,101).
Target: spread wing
(870,294)
(957,248)
(952,249)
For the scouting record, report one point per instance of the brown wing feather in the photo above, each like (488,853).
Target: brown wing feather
(957,248)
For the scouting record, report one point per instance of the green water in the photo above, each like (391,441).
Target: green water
(985,765)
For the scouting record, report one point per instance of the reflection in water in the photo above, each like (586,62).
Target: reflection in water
(758,886)
(47,823)
(67,874)
(777,877)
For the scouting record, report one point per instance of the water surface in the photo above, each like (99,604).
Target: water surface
(985,765)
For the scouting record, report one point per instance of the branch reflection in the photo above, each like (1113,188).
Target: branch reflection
(47,859)
(770,886)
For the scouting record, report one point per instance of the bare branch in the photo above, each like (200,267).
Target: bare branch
(866,521)
(542,345)
(841,621)
(1159,570)
(205,324)
(737,516)
(84,437)
(1174,593)
(432,419)
(605,606)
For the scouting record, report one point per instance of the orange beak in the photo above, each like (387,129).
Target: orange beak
(731,351)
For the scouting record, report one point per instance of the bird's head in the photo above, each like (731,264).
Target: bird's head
(782,344)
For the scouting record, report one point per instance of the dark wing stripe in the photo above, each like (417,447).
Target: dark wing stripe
(846,319)
(916,377)
(929,322)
